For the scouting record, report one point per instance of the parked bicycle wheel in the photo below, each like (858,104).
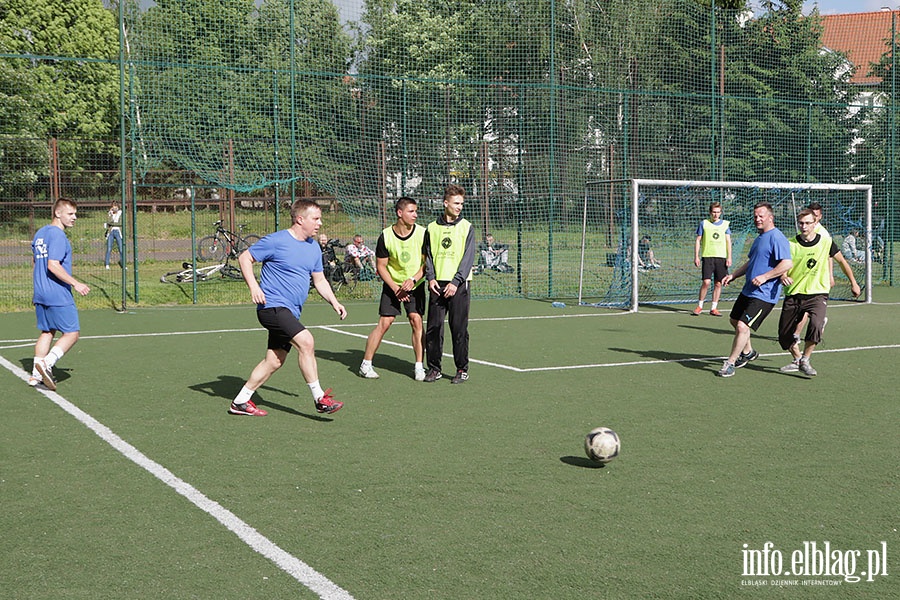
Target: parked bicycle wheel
(245,242)
(211,248)
(343,280)
(232,272)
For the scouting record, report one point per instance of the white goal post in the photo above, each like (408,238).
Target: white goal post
(626,218)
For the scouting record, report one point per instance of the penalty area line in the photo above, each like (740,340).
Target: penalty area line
(293,566)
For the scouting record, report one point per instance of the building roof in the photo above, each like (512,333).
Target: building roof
(863,37)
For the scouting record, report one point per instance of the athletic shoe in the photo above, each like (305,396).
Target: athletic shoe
(46,374)
(806,368)
(697,312)
(248,408)
(791,367)
(727,370)
(367,372)
(715,312)
(432,375)
(743,359)
(420,373)
(33,381)
(327,403)
(460,377)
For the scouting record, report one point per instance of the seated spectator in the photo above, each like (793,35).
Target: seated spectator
(360,255)
(646,259)
(329,259)
(849,249)
(493,255)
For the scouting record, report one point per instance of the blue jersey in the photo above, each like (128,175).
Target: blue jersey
(287,265)
(767,250)
(51,243)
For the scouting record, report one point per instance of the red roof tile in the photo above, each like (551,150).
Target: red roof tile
(863,37)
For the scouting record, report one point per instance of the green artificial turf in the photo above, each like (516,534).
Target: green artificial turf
(425,491)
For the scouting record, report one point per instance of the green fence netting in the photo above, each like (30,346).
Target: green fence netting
(244,106)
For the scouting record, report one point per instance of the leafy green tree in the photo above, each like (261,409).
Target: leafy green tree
(786,119)
(215,83)
(65,86)
(72,47)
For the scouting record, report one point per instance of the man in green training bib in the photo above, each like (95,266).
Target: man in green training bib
(449,258)
(807,285)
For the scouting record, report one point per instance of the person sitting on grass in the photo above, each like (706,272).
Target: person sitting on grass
(493,255)
(360,255)
(646,258)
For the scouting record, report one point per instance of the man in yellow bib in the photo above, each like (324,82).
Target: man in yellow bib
(400,264)
(712,253)
(449,258)
(807,285)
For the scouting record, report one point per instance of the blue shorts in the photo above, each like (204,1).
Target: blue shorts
(57,318)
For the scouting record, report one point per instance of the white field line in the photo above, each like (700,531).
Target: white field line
(293,566)
(9,344)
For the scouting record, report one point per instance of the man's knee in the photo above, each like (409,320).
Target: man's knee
(304,342)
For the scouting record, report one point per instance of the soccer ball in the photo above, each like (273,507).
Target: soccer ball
(602,444)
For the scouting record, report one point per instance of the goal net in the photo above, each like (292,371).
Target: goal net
(624,221)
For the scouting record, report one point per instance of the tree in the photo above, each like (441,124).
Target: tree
(72,47)
(214,89)
(66,84)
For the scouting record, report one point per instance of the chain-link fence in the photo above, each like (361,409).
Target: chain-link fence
(235,109)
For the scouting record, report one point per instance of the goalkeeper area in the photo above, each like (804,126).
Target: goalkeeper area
(649,229)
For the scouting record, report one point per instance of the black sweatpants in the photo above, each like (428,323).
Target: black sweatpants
(458,308)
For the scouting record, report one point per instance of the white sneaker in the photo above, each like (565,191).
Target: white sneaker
(367,372)
(791,367)
(420,373)
(46,375)
(806,368)
(33,381)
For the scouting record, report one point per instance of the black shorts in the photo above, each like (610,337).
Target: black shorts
(390,305)
(713,267)
(282,326)
(751,311)
(792,312)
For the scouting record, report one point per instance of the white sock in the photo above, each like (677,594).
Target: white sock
(316,390)
(366,364)
(243,396)
(53,356)
(419,366)
(34,371)
(700,304)
(713,306)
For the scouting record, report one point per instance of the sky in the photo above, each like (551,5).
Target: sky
(831,7)
(351,10)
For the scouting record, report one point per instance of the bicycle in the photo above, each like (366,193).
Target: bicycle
(224,243)
(188,273)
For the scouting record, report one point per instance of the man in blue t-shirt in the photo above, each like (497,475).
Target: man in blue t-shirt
(53,302)
(290,258)
(769,259)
